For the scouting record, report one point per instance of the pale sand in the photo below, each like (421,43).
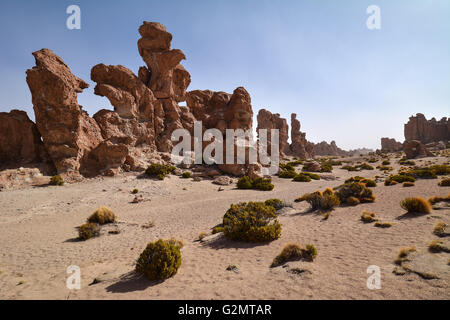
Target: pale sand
(37,228)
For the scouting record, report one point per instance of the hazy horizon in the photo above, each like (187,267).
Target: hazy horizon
(314,58)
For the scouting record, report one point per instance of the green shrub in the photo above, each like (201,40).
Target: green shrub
(160,260)
(286,174)
(386,163)
(57,181)
(159,171)
(352,201)
(372,160)
(88,230)
(102,215)
(321,201)
(425,173)
(399,178)
(354,179)
(311,175)
(301,177)
(186,175)
(369,183)
(251,222)
(416,205)
(135,191)
(276,203)
(445,182)
(366,166)
(350,168)
(405,162)
(326,167)
(245,183)
(368,217)
(217,229)
(355,189)
(440,169)
(258,183)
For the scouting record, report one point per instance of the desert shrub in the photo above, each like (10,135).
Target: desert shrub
(245,183)
(276,203)
(354,179)
(287,174)
(424,173)
(258,183)
(186,175)
(217,229)
(350,168)
(445,182)
(159,171)
(440,229)
(326,167)
(294,252)
(440,169)
(301,177)
(263,184)
(416,205)
(369,183)
(295,163)
(88,230)
(368,217)
(251,222)
(286,166)
(385,163)
(56,181)
(321,201)
(437,246)
(436,199)
(372,160)
(357,190)
(403,254)
(135,191)
(405,162)
(399,178)
(408,184)
(102,215)
(381,224)
(313,176)
(160,260)
(366,166)
(352,201)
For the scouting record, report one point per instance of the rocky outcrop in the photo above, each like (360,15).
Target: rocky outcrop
(426,131)
(390,145)
(300,147)
(328,149)
(269,121)
(67,131)
(20,141)
(415,149)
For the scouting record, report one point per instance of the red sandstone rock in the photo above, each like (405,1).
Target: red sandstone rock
(20,141)
(67,131)
(300,147)
(390,145)
(269,121)
(414,149)
(425,131)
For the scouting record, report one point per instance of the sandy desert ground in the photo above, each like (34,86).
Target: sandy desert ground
(38,242)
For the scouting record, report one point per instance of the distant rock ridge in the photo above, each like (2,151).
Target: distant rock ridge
(390,145)
(329,149)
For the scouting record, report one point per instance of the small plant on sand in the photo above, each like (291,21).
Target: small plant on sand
(403,254)
(323,201)
(159,171)
(56,181)
(301,177)
(313,176)
(408,184)
(440,229)
(381,224)
(416,205)
(326,167)
(352,201)
(445,182)
(251,222)
(436,199)
(369,183)
(368,217)
(386,163)
(202,235)
(356,190)
(259,183)
(366,166)
(399,178)
(440,169)
(135,191)
(294,252)
(160,260)
(350,168)
(88,230)
(437,246)
(186,175)
(102,215)
(276,203)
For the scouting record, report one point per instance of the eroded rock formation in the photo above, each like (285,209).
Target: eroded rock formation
(268,120)
(390,145)
(415,149)
(300,147)
(20,141)
(426,131)
(328,149)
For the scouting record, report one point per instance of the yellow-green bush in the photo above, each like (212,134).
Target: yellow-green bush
(160,260)
(321,201)
(445,182)
(440,229)
(416,205)
(352,201)
(57,181)
(276,203)
(186,175)
(368,217)
(251,222)
(295,252)
(399,178)
(88,230)
(301,177)
(245,183)
(258,183)
(357,190)
(159,171)
(102,215)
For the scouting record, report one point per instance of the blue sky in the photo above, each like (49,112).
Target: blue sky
(312,57)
